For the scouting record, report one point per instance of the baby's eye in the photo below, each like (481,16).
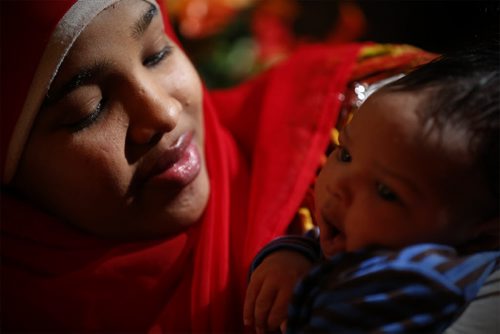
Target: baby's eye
(157,58)
(386,193)
(343,154)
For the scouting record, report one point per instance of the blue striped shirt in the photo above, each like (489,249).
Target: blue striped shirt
(419,289)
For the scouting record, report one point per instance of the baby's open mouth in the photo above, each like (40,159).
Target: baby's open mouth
(332,239)
(329,224)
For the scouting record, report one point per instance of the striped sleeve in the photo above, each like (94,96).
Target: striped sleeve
(306,245)
(420,289)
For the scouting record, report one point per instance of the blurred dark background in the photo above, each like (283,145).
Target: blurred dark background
(231,40)
(439,26)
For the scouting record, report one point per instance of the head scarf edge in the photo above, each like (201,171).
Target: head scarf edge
(61,40)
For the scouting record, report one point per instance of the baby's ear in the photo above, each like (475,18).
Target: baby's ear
(482,237)
(487,234)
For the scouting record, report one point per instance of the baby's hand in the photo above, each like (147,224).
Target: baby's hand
(271,287)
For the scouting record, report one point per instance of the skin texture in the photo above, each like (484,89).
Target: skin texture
(92,166)
(388,184)
(270,290)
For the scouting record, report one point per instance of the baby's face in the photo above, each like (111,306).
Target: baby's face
(118,148)
(388,185)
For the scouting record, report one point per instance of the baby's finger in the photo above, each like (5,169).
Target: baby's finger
(283,327)
(263,305)
(249,306)
(278,312)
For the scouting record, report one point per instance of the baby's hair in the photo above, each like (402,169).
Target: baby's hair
(463,91)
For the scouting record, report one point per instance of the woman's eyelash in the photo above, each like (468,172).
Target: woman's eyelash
(157,57)
(90,119)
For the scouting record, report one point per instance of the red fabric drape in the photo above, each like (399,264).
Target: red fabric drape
(263,143)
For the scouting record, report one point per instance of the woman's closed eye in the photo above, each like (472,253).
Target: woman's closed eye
(157,57)
(98,109)
(90,118)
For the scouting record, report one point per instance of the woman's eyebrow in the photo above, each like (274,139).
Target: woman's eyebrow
(88,74)
(81,78)
(140,26)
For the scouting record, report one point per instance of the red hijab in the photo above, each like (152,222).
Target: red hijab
(263,144)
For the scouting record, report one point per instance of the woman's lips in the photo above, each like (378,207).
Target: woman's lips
(179,164)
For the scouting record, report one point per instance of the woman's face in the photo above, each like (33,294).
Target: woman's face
(117,148)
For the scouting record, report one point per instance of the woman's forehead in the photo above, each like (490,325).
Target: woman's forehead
(130,17)
(104,37)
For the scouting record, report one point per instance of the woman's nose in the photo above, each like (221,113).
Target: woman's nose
(153,111)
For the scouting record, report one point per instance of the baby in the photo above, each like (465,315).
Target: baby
(415,176)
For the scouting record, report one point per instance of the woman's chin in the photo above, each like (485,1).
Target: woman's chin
(177,214)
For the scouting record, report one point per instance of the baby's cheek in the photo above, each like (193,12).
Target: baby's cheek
(360,231)
(354,244)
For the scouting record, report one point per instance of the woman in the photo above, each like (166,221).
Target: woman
(132,199)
